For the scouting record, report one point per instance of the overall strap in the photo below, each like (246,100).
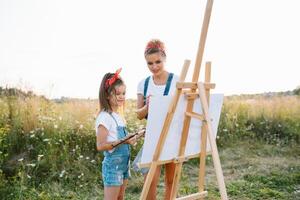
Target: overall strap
(114,119)
(146,86)
(168,84)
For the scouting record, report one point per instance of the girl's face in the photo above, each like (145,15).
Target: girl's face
(155,63)
(117,99)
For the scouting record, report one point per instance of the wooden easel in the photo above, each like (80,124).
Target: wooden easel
(191,90)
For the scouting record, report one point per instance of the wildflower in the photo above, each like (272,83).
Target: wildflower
(32,136)
(81,126)
(46,140)
(62,173)
(21,159)
(31,165)
(87,158)
(55,126)
(28,176)
(31,131)
(39,157)
(81,156)
(92,161)
(81,175)
(60,118)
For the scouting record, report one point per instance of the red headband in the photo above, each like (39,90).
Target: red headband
(113,79)
(154,46)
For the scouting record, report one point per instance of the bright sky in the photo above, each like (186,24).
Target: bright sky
(64,47)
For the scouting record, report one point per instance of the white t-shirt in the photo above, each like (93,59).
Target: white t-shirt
(156,90)
(106,120)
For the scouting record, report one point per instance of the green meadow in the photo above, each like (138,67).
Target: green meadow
(47,149)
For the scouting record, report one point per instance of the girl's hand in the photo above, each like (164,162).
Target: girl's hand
(132,141)
(113,144)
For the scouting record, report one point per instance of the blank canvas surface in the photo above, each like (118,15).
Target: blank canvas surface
(157,112)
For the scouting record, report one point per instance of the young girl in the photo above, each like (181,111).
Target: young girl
(110,128)
(161,82)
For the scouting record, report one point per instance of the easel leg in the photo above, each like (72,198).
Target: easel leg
(148,181)
(202,158)
(204,134)
(214,149)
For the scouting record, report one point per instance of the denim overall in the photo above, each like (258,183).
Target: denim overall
(115,166)
(139,155)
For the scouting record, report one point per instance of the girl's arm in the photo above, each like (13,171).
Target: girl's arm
(142,110)
(102,144)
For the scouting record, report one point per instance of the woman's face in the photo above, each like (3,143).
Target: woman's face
(155,63)
(117,99)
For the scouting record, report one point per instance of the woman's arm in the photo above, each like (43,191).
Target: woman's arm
(102,144)
(142,110)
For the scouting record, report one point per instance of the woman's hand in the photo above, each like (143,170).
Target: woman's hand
(148,100)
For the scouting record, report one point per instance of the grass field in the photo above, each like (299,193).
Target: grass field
(47,149)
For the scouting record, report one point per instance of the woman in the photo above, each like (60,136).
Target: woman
(161,82)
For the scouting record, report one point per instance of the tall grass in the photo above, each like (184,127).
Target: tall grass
(47,147)
(274,120)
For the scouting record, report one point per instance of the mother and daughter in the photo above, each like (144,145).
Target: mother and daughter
(110,124)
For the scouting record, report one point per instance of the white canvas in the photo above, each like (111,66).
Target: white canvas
(156,117)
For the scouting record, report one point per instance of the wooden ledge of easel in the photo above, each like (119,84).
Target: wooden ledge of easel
(174,160)
(197,116)
(193,196)
(194,85)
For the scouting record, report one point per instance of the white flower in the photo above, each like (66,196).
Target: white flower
(81,126)
(28,176)
(87,158)
(55,126)
(39,157)
(60,118)
(92,161)
(46,140)
(21,159)
(31,165)
(81,156)
(32,136)
(62,173)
